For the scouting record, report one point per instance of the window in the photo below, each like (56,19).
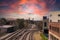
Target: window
(45,24)
(50,27)
(50,20)
(53,38)
(58,20)
(50,15)
(44,17)
(58,14)
(56,29)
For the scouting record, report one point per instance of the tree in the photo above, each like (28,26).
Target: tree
(20,23)
(3,21)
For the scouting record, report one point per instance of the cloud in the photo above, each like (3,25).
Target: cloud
(9,1)
(38,7)
(4,7)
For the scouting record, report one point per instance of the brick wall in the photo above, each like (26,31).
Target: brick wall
(54,27)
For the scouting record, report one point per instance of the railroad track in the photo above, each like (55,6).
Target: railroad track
(16,37)
(20,35)
(27,36)
(12,35)
(31,36)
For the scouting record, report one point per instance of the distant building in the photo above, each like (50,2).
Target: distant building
(54,25)
(45,24)
(6,29)
(39,24)
(26,22)
(11,21)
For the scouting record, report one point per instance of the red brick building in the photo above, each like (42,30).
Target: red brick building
(54,25)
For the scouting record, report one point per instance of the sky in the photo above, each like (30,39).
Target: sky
(28,8)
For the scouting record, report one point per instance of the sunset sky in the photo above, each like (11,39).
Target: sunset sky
(27,8)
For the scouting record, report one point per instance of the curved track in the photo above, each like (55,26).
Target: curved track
(23,34)
(20,35)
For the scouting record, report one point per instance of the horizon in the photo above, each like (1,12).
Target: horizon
(28,9)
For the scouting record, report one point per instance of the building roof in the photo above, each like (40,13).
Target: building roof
(6,26)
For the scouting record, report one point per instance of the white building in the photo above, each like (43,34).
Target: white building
(54,25)
(4,28)
(54,16)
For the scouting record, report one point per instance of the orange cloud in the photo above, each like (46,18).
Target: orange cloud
(31,7)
